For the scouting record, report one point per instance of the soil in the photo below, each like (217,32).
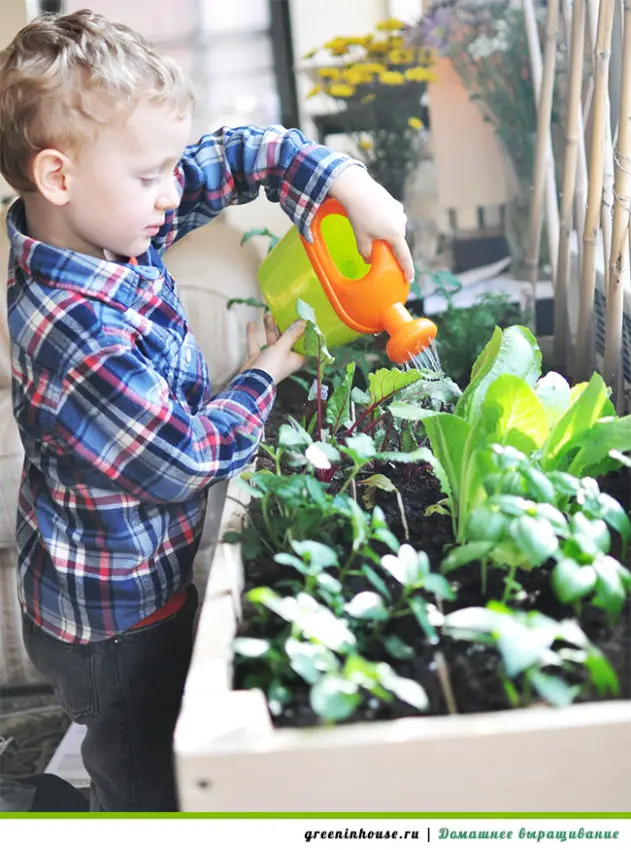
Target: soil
(472,668)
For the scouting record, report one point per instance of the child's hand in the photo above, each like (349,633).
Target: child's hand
(277,358)
(373,214)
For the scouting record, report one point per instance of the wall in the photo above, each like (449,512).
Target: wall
(470,163)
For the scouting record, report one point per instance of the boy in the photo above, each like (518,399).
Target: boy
(122,436)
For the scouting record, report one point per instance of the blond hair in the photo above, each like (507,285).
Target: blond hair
(58,71)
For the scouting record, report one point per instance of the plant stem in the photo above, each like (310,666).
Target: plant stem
(508,583)
(445,682)
(319,389)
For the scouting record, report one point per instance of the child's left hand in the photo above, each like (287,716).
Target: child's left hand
(373,214)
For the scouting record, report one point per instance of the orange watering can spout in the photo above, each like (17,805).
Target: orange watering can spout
(408,336)
(374,302)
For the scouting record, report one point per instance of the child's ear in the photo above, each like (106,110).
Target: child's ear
(50,175)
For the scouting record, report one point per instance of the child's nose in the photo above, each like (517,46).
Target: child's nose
(169,198)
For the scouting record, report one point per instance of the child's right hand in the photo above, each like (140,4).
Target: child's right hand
(277,358)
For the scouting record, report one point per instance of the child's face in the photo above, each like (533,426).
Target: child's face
(123,184)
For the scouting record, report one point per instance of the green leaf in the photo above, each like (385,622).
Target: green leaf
(408,567)
(286,607)
(322,455)
(367,605)
(610,590)
(320,624)
(536,539)
(461,555)
(334,698)
(418,606)
(309,660)
(585,410)
(486,522)
(612,512)
(381,482)
(521,647)
(597,443)
(602,673)
(293,437)
(572,582)
(377,582)
(385,382)
(397,648)
(329,583)
(513,351)
(361,448)
(522,422)
(539,487)
(554,393)
(313,339)
(552,689)
(250,647)
(260,231)
(317,554)
(406,690)
(247,302)
(473,620)
(339,405)
(439,586)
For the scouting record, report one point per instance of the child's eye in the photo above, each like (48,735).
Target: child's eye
(148,181)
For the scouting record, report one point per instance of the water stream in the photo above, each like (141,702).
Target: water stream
(426,359)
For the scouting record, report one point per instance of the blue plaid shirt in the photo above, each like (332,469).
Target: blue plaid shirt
(112,396)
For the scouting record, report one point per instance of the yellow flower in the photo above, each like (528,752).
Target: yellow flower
(396,41)
(329,73)
(415,123)
(369,98)
(341,90)
(419,75)
(356,76)
(365,144)
(401,56)
(378,47)
(315,90)
(390,25)
(392,78)
(334,43)
(370,67)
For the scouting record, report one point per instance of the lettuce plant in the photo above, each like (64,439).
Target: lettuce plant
(567,429)
(538,655)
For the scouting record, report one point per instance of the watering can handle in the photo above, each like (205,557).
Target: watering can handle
(382,259)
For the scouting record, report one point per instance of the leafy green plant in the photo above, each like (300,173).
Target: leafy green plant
(538,655)
(568,429)
(530,517)
(464,331)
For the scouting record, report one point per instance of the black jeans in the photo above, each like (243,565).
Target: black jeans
(127,691)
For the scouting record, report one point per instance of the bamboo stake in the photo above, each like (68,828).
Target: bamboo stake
(573,131)
(584,351)
(608,178)
(618,267)
(536,65)
(542,150)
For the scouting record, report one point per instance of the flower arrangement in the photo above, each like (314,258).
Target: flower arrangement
(487,45)
(378,82)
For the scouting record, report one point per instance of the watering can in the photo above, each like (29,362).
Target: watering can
(350,297)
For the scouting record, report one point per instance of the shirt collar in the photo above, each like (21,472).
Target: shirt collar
(102,279)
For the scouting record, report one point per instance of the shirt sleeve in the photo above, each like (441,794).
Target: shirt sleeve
(230,166)
(124,431)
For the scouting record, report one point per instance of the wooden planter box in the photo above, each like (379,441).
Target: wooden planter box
(229,758)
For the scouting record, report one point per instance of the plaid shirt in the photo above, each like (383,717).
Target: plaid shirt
(112,396)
